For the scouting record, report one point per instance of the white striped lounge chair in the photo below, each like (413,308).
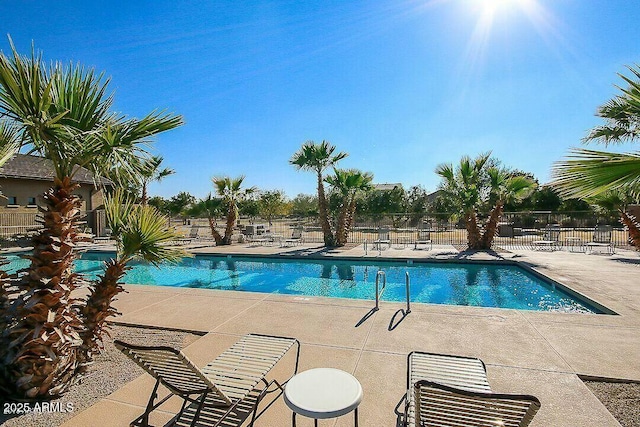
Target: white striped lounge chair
(229,379)
(453,391)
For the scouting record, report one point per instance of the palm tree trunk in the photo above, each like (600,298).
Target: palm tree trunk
(492,225)
(633,226)
(341,226)
(232,216)
(329,239)
(473,231)
(41,357)
(98,308)
(7,289)
(214,233)
(144,200)
(350,218)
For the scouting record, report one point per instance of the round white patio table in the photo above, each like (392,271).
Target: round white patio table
(323,393)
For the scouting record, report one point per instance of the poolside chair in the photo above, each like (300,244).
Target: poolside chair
(424,238)
(229,379)
(295,239)
(383,238)
(451,391)
(103,239)
(550,239)
(601,239)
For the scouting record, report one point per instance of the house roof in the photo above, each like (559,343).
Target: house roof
(386,187)
(25,166)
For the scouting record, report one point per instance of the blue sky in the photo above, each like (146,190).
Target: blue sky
(402,85)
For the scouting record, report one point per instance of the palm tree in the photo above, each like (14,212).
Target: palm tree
(231,192)
(348,183)
(463,186)
(211,208)
(591,173)
(151,172)
(504,187)
(140,232)
(317,158)
(63,114)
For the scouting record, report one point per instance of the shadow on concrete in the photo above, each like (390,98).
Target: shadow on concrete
(366,316)
(392,323)
(628,260)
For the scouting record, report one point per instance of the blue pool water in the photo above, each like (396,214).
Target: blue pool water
(483,285)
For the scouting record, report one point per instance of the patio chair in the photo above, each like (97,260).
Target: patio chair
(424,238)
(550,239)
(601,239)
(295,239)
(103,239)
(229,379)
(448,391)
(383,238)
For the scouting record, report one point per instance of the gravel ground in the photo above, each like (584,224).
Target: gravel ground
(621,399)
(110,371)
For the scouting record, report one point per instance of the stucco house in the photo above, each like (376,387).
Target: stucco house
(23,180)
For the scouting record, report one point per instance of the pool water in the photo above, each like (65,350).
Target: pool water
(482,285)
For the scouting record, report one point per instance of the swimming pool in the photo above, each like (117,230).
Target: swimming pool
(468,284)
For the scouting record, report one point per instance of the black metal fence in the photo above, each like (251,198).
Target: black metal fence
(516,229)
(16,228)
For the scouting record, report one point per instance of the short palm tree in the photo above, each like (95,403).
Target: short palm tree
(212,208)
(140,232)
(348,183)
(317,158)
(504,187)
(152,172)
(231,192)
(63,114)
(463,187)
(591,173)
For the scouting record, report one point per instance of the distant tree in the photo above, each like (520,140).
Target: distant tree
(179,203)
(317,158)
(504,187)
(211,208)
(384,202)
(416,203)
(474,184)
(152,171)
(249,206)
(347,184)
(272,203)
(231,192)
(304,205)
(159,203)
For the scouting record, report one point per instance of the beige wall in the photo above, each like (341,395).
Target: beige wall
(23,189)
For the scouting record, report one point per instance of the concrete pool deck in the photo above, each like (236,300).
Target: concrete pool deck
(539,353)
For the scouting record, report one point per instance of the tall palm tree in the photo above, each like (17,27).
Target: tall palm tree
(317,158)
(152,172)
(212,208)
(231,192)
(504,187)
(140,232)
(63,114)
(592,173)
(348,183)
(463,187)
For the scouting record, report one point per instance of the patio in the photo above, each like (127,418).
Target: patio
(539,353)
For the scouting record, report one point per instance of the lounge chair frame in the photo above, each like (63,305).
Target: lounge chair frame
(206,385)
(383,238)
(602,238)
(466,389)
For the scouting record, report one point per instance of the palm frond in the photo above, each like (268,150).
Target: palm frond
(146,235)
(588,173)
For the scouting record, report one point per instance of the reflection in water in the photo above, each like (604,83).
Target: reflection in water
(494,286)
(233,274)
